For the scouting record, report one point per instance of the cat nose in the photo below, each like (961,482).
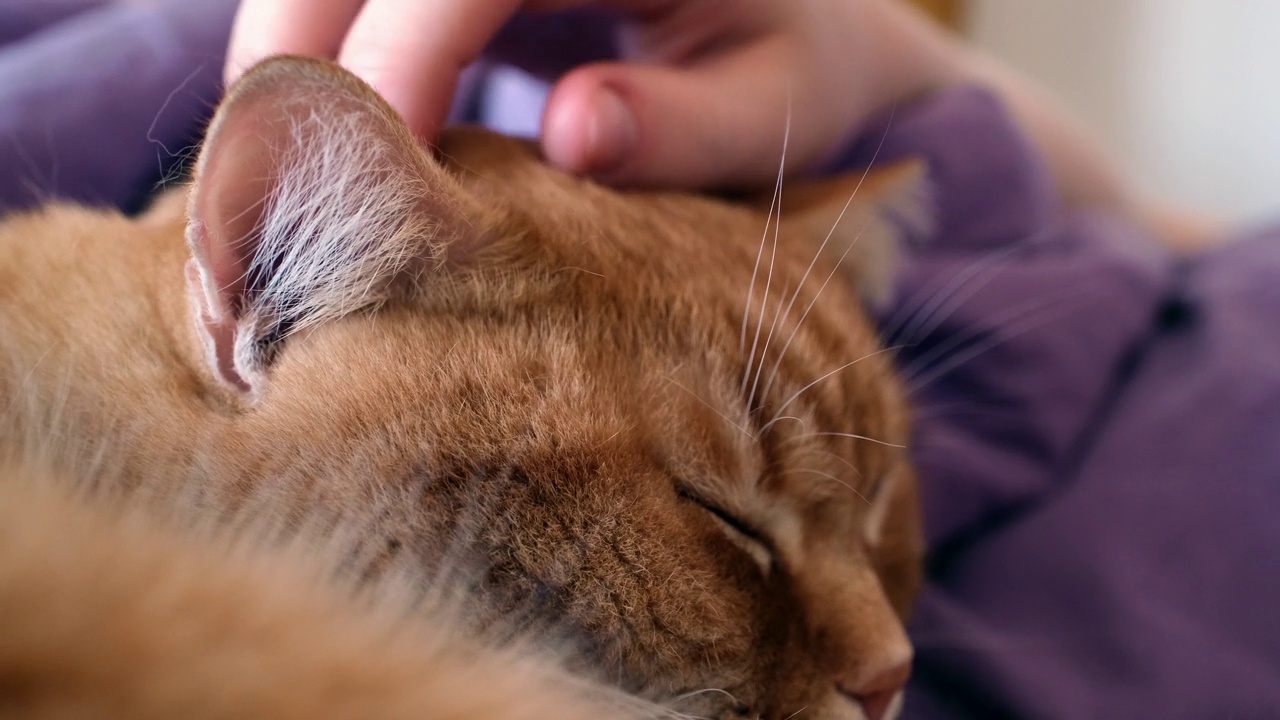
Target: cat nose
(878,694)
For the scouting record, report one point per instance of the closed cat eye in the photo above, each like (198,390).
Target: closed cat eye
(750,540)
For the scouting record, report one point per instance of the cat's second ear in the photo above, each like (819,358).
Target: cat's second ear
(861,218)
(310,199)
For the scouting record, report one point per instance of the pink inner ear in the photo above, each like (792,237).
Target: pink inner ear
(217,330)
(238,167)
(226,208)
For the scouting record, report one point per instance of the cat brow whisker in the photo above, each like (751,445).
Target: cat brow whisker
(773,373)
(777,229)
(773,326)
(709,406)
(806,388)
(962,337)
(755,271)
(836,456)
(768,282)
(848,203)
(828,476)
(832,478)
(582,270)
(778,420)
(794,714)
(907,324)
(759,251)
(853,436)
(922,379)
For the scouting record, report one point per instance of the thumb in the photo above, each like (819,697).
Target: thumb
(720,123)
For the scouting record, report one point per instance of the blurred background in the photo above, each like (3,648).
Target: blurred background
(1184,93)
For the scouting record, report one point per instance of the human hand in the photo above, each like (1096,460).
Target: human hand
(703,97)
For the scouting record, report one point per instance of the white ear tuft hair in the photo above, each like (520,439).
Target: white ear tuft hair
(310,199)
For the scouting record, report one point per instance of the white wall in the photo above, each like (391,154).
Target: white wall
(1186,92)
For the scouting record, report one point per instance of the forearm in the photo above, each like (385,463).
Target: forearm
(918,56)
(1083,172)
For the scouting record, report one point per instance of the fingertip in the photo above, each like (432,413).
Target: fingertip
(241,54)
(411,52)
(235,66)
(421,102)
(589,128)
(718,125)
(263,28)
(563,133)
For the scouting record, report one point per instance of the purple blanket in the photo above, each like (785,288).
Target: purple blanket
(1099,422)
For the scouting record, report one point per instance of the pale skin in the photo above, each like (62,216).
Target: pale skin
(702,95)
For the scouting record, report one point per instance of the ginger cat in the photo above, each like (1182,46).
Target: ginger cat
(606,423)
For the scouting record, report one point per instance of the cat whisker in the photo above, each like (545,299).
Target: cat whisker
(706,691)
(961,338)
(777,229)
(773,373)
(755,271)
(836,456)
(806,388)
(777,364)
(582,270)
(773,326)
(778,420)
(764,300)
(828,476)
(915,378)
(908,325)
(709,406)
(853,436)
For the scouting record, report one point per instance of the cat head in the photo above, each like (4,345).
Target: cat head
(658,424)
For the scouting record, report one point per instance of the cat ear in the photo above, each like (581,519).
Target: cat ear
(862,218)
(310,199)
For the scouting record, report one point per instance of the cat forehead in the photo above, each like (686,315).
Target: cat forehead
(629,306)
(525,196)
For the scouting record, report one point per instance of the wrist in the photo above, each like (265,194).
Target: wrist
(906,54)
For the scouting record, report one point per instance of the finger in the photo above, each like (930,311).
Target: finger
(720,123)
(412,51)
(297,27)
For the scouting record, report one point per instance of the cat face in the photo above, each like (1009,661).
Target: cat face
(656,427)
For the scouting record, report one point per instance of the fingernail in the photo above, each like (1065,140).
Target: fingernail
(612,134)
